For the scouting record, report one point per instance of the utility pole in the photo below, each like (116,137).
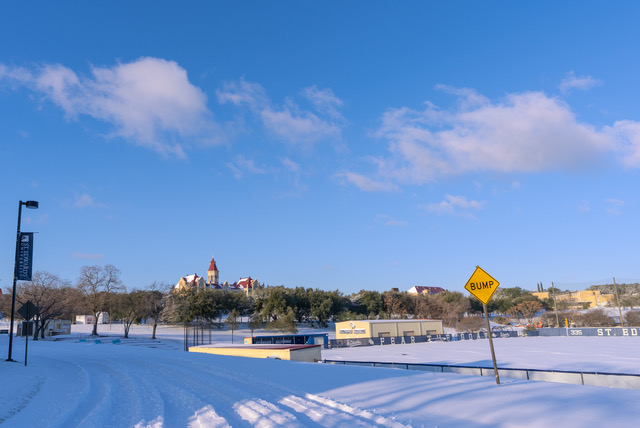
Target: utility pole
(555,306)
(615,288)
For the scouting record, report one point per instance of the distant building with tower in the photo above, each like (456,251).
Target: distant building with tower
(212,282)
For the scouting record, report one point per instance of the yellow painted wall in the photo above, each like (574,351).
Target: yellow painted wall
(310,354)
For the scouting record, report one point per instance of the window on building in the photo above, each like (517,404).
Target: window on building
(384,334)
(409,333)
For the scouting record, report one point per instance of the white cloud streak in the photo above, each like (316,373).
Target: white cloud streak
(149,101)
(453,204)
(287,122)
(366,183)
(242,166)
(583,83)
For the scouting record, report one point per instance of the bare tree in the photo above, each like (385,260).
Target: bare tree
(97,283)
(632,318)
(471,323)
(50,296)
(526,309)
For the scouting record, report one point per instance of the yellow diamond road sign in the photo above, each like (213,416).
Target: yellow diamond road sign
(482,285)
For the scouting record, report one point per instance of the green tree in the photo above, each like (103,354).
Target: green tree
(286,323)
(153,302)
(127,307)
(367,303)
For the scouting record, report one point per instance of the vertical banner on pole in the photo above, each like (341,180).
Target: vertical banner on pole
(25,256)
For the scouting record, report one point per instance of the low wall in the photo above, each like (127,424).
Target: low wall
(610,380)
(590,331)
(407,340)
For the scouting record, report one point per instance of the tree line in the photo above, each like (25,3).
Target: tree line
(100,289)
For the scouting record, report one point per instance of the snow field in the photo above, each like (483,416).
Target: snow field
(130,384)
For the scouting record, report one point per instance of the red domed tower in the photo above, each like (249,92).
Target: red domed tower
(213,273)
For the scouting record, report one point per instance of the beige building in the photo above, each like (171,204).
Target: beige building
(578,299)
(387,328)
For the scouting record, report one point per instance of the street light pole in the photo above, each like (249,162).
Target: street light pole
(31,205)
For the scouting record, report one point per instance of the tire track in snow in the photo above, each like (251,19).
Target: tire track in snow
(184,406)
(122,390)
(312,410)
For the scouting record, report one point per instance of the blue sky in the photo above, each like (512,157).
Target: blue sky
(330,145)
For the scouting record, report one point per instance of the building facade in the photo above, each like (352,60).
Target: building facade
(387,328)
(243,285)
(420,289)
(579,299)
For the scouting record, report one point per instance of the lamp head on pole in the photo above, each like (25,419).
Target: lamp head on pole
(31,204)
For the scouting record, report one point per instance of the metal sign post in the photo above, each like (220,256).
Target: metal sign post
(493,353)
(482,286)
(27,311)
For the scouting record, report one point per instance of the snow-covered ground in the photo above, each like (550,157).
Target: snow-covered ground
(140,382)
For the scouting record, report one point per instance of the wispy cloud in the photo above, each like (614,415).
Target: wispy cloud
(287,122)
(325,101)
(583,83)
(149,102)
(242,166)
(614,205)
(526,132)
(389,221)
(291,165)
(82,201)
(455,205)
(85,200)
(365,183)
(584,207)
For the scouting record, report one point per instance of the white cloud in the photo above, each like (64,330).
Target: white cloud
(288,122)
(526,132)
(571,82)
(149,101)
(453,204)
(366,183)
(627,136)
